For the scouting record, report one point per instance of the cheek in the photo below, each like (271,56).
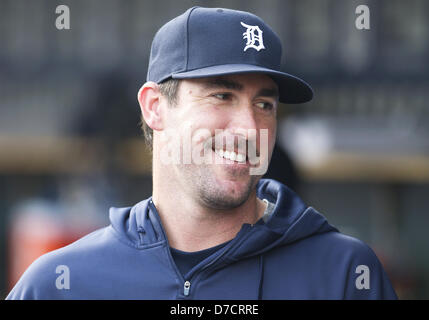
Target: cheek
(197,128)
(273,134)
(210,120)
(272,137)
(267,134)
(172,118)
(270,125)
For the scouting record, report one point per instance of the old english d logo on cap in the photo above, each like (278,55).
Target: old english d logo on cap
(208,42)
(253,35)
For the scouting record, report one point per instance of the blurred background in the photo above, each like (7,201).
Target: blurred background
(71,146)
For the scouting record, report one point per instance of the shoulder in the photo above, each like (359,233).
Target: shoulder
(330,250)
(346,245)
(356,266)
(41,278)
(332,265)
(331,244)
(342,249)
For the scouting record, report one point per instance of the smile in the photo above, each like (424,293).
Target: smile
(231,155)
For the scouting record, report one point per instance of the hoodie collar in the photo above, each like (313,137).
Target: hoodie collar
(140,225)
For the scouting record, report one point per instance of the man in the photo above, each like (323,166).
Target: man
(213,229)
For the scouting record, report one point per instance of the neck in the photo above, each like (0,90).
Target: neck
(191,226)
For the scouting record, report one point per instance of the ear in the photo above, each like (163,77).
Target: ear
(149,100)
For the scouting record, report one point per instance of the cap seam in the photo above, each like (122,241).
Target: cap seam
(187,37)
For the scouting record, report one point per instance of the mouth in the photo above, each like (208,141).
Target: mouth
(234,153)
(231,155)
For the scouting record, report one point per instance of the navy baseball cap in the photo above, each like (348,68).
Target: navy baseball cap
(206,42)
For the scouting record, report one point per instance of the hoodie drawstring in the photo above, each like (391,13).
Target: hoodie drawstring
(261,276)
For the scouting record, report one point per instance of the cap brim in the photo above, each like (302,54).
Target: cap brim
(292,89)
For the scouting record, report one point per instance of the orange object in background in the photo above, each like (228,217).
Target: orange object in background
(35,230)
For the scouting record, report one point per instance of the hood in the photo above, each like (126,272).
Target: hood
(290,221)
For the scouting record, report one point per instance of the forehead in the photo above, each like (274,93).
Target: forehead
(237,82)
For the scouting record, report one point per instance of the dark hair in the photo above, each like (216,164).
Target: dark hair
(168,89)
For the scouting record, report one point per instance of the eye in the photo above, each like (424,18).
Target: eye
(265,105)
(222,95)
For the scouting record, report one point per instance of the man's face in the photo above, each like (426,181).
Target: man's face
(215,116)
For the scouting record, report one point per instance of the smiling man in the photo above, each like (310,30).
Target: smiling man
(217,195)
(213,229)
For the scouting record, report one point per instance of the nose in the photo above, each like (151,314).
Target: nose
(243,118)
(242,125)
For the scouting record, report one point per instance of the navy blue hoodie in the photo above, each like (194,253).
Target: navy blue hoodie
(296,254)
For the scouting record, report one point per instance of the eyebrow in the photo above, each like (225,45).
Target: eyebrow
(234,85)
(223,83)
(268,92)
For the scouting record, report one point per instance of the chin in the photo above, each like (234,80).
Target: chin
(227,194)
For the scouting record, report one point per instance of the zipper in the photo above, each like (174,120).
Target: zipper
(187,283)
(186,288)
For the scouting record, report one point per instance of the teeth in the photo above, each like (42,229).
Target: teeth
(231,155)
(241,158)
